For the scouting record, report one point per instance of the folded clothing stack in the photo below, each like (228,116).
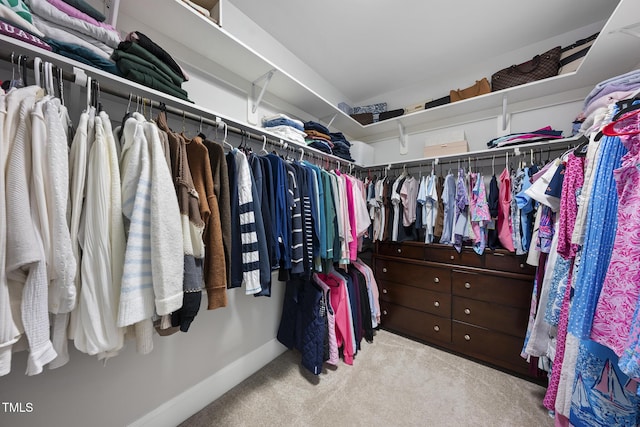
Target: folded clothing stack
(139,59)
(542,134)
(341,147)
(74,33)
(18,24)
(318,137)
(286,127)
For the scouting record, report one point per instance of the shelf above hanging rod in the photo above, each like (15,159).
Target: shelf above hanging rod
(110,84)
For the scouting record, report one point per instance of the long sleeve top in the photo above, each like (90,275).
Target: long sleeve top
(25,258)
(98,332)
(214,255)
(250,253)
(166,231)
(9,333)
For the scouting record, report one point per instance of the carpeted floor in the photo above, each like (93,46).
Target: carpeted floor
(393,382)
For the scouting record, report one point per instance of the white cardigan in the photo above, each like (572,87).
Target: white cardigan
(25,255)
(98,298)
(9,333)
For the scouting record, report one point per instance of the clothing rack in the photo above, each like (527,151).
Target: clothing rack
(225,124)
(494,157)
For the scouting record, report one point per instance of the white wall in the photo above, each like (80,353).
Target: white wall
(86,393)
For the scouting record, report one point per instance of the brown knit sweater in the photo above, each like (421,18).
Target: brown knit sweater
(221,187)
(214,255)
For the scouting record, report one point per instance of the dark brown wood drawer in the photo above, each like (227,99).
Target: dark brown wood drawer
(504,290)
(493,347)
(493,316)
(418,299)
(502,261)
(414,323)
(402,250)
(414,274)
(448,255)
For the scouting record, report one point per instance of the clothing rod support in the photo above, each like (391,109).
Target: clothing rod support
(267,79)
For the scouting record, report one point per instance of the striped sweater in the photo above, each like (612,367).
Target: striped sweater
(249,236)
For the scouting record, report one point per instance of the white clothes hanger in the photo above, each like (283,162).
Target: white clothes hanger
(224,141)
(263,150)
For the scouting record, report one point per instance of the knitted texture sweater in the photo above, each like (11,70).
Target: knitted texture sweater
(214,255)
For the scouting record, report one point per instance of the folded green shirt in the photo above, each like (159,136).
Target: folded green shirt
(137,63)
(137,50)
(149,81)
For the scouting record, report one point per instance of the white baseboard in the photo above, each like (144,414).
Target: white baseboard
(181,407)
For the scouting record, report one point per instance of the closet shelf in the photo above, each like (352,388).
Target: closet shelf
(608,56)
(123,86)
(511,150)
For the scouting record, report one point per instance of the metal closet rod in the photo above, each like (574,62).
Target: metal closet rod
(13,57)
(498,157)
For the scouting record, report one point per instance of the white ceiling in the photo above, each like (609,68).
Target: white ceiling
(368,47)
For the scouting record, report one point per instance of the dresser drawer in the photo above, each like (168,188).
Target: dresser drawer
(493,288)
(419,299)
(402,250)
(414,323)
(414,274)
(493,347)
(502,261)
(492,316)
(448,255)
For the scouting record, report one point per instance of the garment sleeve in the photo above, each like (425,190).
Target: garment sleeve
(249,235)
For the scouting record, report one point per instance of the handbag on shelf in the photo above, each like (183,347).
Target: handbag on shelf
(539,67)
(479,88)
(363,118)
(572,56)
(391,114)
(437,102)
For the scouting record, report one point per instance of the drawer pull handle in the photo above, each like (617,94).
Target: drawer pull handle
(467,285)
(437,280)
(467,311)
(384,270)
(384,291)
(467,337)
(399,250)
(436,328)
(521,265)
(437,304)
(452,257)
(384,312)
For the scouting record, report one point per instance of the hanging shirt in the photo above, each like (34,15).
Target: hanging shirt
(408,196)
(448,200)
(430,212)
(461,210)
(505,233)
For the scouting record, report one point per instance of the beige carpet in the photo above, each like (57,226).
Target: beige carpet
(393,382)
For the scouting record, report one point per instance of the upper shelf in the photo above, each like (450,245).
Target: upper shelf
(610,55)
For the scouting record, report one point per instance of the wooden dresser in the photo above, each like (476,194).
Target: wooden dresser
(476,306)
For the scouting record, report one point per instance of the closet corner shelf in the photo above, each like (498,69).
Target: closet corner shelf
(120,84)
(608,56)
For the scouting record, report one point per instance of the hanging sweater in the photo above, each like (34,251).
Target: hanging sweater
(25,262)
(248,230)
(166,232)
(9,333)
(98,331)
(188,203)
(220,177)
(214,256)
